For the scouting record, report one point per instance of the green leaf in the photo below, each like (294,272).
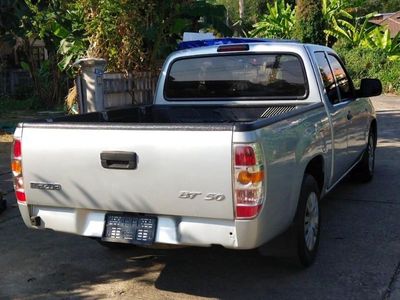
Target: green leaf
(25,66)
(394,57)
(65,62)
(278,22)
(60,31)
(65,46)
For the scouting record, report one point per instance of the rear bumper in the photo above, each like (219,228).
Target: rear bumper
(174,230)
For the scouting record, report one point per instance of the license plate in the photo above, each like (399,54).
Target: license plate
(129,228)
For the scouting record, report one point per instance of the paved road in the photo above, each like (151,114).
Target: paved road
(359,251)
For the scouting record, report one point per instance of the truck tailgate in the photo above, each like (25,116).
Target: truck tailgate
(171,164)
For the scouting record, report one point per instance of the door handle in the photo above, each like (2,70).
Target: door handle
(118,160)
(349,116)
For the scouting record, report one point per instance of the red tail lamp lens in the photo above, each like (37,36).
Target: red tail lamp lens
(245,156)
(247,212)
(20,196)
(17,149)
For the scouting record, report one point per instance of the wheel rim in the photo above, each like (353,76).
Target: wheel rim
(311,220)
(371,153)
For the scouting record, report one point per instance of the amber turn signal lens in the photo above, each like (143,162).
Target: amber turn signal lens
(257,177)
(245,177)
(16,167)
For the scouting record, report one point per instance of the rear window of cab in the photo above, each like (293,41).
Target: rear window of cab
(226,77)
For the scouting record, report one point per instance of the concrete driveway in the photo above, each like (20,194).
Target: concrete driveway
(359,254)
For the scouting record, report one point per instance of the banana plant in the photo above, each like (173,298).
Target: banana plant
(354,32)
(332,11)
(73,44)
(278,22)
(379,39)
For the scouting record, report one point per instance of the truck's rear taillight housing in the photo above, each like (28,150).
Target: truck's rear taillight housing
(248,180)
(16,167)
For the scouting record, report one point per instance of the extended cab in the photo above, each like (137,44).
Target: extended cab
(243,140)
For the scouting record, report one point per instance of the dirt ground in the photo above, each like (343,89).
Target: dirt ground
(359,254)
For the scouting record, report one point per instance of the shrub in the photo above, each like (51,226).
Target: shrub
(372,63)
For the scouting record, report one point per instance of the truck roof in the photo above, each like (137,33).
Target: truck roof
(208,46)
(227,41)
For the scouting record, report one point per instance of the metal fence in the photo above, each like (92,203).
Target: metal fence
(135,88)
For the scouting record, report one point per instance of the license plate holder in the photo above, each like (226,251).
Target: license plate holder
(129,228)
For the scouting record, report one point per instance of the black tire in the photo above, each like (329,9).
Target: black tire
(307,222)
(364,171)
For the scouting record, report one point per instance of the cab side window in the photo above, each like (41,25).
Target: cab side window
(327,77)
(343,81)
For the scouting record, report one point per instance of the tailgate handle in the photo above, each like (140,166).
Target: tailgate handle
(118,160)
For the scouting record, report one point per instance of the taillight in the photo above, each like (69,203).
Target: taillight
(230,48)
(248,180)
(244,156)
(17,152)
(16,167)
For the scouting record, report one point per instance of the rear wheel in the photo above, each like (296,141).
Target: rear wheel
(365,169)
(307,221)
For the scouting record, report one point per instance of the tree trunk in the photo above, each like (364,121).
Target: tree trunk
(241,9)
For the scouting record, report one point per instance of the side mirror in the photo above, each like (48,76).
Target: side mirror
(369,87)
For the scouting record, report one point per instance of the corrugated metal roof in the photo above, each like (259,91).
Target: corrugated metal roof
(389,20)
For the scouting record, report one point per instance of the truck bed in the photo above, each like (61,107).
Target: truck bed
(163,114)
(196,144)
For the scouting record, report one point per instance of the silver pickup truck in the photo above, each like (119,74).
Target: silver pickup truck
(243,140)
